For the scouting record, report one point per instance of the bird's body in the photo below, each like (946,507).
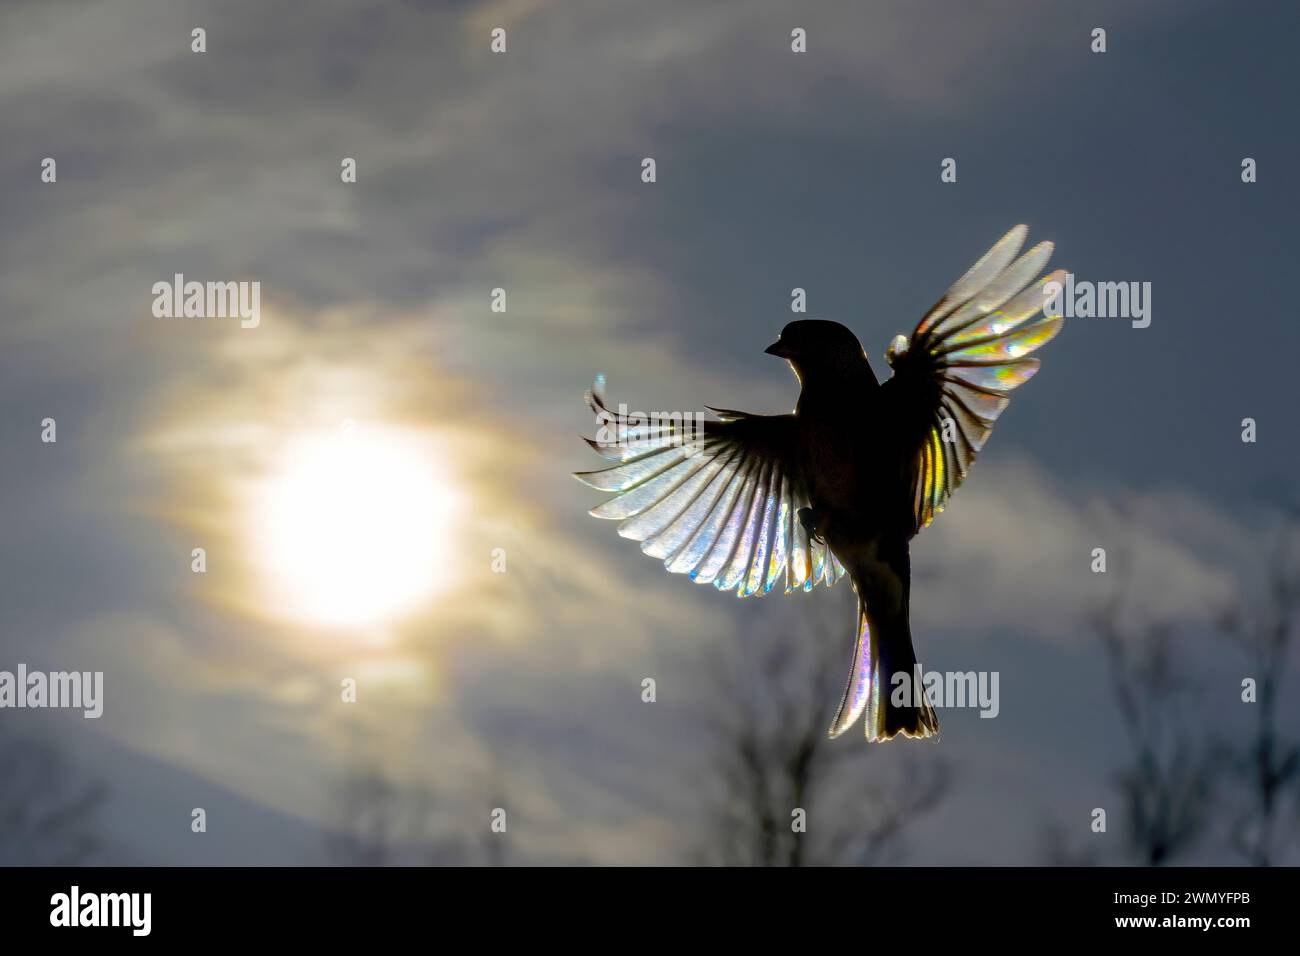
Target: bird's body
(860,472)
(843,484)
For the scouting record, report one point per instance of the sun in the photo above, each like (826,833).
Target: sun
(353,527)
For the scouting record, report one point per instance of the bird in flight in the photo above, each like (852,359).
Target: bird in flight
(841,485)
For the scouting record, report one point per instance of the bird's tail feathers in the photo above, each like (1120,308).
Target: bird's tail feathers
(869,688)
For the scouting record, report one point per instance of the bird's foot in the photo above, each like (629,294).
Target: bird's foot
(810,518)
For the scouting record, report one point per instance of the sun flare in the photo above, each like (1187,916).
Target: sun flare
(352,527)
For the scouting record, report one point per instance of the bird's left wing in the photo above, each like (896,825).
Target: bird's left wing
(718,503)
(952,378)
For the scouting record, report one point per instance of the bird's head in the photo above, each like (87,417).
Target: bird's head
(812,345)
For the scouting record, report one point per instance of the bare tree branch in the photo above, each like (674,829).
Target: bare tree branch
(1169,783)
(47,812)
(1269,764)
(772,702)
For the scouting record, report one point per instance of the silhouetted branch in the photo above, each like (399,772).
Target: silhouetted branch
(379,823)
(47,814)
(1268,762)
(1169,782)
(774,696)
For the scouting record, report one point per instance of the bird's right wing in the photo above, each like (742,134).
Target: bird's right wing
(953,377)
(720,505)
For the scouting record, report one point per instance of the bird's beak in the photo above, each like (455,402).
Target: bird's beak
(777,349)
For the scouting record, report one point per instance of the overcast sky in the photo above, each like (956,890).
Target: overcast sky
(522,171)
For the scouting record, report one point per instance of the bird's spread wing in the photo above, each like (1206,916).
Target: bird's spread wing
(719,503)
(952,378)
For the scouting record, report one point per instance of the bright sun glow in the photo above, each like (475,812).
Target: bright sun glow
(354,527)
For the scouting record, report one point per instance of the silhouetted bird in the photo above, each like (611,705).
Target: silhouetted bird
(849,478)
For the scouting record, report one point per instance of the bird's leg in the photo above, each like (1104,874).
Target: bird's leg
(810,518)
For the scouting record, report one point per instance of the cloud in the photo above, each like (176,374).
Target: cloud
(1014,553)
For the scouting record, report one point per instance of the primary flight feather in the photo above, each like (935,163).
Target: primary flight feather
(845,482)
